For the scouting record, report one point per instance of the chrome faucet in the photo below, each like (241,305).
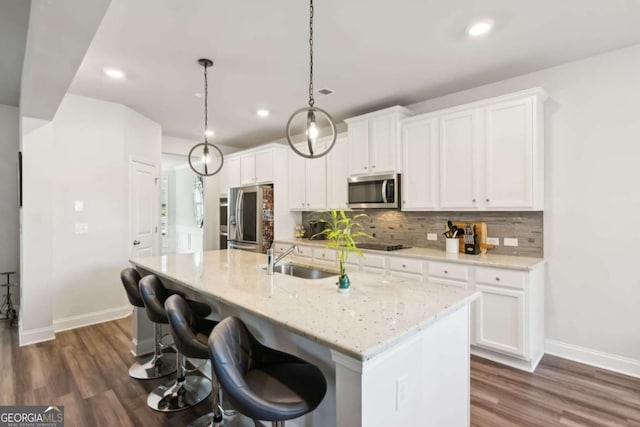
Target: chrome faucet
(271,263)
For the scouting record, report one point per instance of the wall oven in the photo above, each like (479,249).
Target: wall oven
(250,224)
(374,191)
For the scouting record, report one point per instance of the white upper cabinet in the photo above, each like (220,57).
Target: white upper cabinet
(420,164)
(490,155)
(509,155)
(229,175)
(337,174)
(458,159)
(307,181)
(256,167)
(374,141)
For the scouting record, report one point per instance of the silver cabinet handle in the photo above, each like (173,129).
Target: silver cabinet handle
(446,272)
(404,266)
(373,167)
(474,200)
(136,242)
(487,200)
(497,279)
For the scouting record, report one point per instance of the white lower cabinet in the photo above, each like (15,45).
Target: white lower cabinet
(499,320)
(447,273)
(408,268)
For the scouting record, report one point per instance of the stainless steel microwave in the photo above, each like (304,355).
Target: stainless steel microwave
(374,191)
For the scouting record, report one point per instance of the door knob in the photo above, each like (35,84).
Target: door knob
(136,242)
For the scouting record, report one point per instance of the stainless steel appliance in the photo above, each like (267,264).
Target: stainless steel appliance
(382,246)
(224,218)
(374,191)
(250,225)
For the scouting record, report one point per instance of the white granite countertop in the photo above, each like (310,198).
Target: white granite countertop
(377,313)
(487,260)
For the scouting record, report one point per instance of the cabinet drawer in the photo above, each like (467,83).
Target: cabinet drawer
(352,259)
(279,248)
(445,270)
(372,260)
(502,278)
(408,265)
(305,251)
(323,254)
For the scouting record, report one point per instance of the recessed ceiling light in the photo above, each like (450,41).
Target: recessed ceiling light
(262,112)
(114,73)
(480,28)
(209,132)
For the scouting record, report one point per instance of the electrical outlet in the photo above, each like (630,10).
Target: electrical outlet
(432,236)
(510,241)
(402,392)
(493,241)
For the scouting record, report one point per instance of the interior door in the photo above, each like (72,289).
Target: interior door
(143,209)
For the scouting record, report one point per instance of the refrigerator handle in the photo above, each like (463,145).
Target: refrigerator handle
(240,214)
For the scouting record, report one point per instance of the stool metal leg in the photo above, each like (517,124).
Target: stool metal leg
(159,365)
(212,419)
(185,392)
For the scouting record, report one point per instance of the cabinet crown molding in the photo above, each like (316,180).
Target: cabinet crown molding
(538,92)
(395,109)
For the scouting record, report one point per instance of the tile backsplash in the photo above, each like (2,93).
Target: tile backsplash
(411,228)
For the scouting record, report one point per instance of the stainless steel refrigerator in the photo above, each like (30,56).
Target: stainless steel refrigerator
(250,225)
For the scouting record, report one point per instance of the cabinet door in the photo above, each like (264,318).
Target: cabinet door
(500,315)
(419,159)
(248,169)
(458,160)
(382,144)
(337,174)
(231,171)
(297,181)
(264,166)
(316,181)
(359,148)
(509,154)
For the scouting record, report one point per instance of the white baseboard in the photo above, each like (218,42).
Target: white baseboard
(143,347)
(87,319)
(33,336)
(595,358)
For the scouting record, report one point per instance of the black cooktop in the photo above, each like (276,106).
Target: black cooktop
(381,246)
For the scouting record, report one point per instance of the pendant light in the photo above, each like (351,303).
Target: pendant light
(312,112)
(201,165)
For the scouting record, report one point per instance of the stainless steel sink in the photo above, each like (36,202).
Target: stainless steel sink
(302,272)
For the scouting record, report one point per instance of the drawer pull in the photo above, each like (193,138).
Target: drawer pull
(404,266)
(497,279)
(446,272)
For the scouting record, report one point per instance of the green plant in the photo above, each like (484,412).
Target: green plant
(340,232)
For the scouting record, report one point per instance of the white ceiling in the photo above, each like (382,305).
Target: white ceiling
(14,22)
(373,53)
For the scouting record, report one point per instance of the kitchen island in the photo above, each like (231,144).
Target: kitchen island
(394,351)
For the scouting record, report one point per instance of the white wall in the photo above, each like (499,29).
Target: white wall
(9,147)
(592,202)
(86,159)
(36,238)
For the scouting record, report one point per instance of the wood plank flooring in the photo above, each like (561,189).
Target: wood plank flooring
(86,371)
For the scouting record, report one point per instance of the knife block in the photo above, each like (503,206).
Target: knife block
(481,237)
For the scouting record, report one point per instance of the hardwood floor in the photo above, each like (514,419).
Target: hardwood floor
(86,371)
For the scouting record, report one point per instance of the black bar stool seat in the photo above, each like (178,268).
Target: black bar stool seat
(161,363)
(188,389)
(260,382)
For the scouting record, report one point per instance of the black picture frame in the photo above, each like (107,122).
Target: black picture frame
(20,179)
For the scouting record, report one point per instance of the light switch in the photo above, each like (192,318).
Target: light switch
(493,241)
(432,236)
(79,206)
(82,228)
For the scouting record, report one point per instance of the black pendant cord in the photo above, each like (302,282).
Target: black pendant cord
(311,100)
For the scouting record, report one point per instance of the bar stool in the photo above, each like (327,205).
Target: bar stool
(188,389)
(190,334)
(260,382)
(7,310)
(160,364)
